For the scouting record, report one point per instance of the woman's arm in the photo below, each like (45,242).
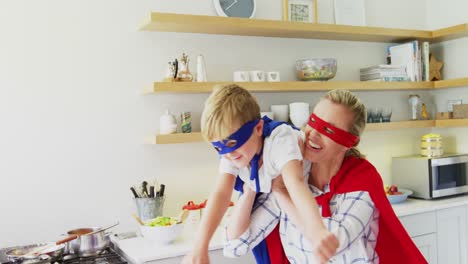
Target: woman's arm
(353,216)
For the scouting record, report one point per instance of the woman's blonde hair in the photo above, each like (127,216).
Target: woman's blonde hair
(352,102)
(226,107)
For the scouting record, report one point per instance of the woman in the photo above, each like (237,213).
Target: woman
(346,186)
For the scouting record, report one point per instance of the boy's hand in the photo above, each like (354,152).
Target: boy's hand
(196,259)
(326,246)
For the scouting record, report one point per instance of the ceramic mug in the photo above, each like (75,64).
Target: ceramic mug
(299,113)
(257,76)
(280,112)
(268,114)
(273,76)
(241,76)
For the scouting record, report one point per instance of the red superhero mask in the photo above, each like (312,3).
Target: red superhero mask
(338,135)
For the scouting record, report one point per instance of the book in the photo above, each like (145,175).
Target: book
(379,76)
(390,79)
(384,67)
(425,61)
(406,55)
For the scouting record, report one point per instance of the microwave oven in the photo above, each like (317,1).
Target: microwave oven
(431,177)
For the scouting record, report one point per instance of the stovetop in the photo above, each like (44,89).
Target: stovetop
(108,256)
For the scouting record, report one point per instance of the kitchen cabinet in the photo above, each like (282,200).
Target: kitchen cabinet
(216,256)
(427,244)
(452,235)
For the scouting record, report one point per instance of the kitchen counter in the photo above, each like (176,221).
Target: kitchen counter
(140,250)
(416,206)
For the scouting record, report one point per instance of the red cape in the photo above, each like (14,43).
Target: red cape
(393,242)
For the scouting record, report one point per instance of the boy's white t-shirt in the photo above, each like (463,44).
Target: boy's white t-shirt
(279,148)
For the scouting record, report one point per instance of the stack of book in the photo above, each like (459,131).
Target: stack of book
(384,73)
(414,56)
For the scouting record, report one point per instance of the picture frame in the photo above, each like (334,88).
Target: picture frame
(350,12)
(300,11)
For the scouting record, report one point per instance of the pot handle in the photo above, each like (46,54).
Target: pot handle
(70,238)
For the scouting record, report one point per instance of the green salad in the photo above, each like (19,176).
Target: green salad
(161,221)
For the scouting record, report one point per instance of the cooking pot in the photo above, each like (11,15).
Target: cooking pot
(87,242)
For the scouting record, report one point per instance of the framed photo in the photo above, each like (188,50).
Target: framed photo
(300,10)
(350,12)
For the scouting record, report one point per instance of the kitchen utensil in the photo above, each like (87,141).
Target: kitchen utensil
(89,242)
(162,189)
(149,208)
(102,229)
(182,216)
(47,251)
(144,188)
(138,219)
(134,192)
(316,69)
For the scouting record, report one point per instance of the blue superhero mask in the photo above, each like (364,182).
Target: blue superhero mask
(236,139)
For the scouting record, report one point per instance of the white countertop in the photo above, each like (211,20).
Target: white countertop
(141,250)
(416,206)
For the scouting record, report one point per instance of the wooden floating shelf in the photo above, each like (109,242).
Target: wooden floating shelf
(178,138)
(196,136)
(451,123)
(461,82)
(454,32)
(207,87)
(399,125)
(169,22)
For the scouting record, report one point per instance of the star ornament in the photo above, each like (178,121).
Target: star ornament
(434,68)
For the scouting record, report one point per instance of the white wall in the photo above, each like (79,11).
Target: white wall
(454,54)
(74,120)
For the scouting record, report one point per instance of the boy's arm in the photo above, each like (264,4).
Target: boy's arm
(240,218)
(315,231)
(284,200)
(217,204)
(263,219)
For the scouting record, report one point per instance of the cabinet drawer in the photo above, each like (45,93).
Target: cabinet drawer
(419,224)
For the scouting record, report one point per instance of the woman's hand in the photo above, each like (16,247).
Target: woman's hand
(277,186)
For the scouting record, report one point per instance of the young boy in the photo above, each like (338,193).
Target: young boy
(257,151)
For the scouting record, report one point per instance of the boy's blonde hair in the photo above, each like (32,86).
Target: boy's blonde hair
(227,106)
(352,102)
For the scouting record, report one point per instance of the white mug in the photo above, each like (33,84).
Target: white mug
(280,112)
(299,113)
(241,76)
(273,76)
(257,76)
(268,114)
